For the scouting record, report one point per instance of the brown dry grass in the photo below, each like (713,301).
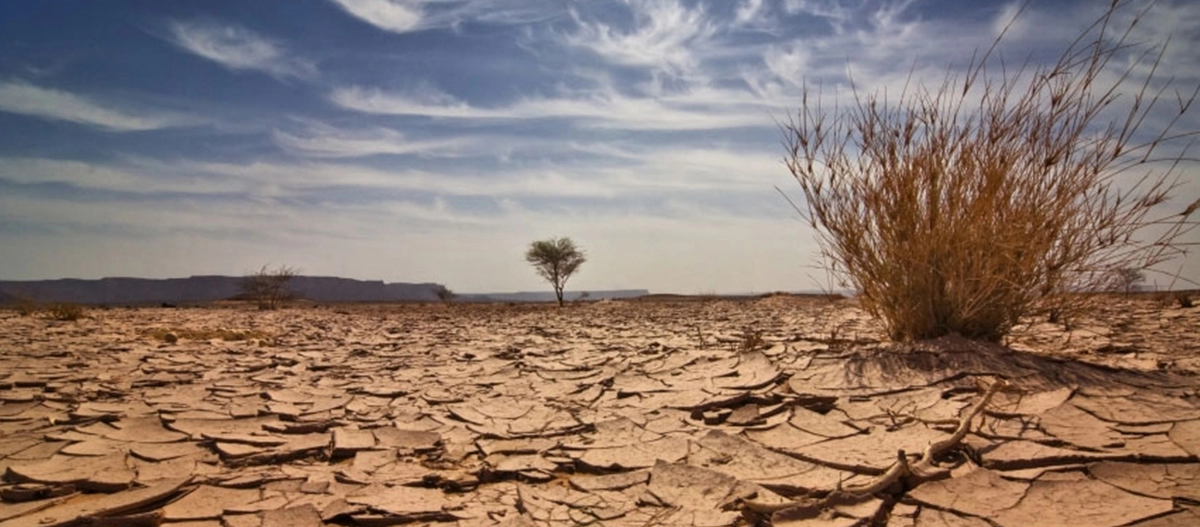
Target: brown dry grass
(60,311)
(64,311)
(964,208)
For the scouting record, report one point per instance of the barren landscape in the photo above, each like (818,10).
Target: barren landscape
(781,410)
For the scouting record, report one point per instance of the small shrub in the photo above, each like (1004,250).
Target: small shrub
(26,307)
(1126,279)
(268,287)
(445,294)
(1183,299)
(64,311)
(751,341)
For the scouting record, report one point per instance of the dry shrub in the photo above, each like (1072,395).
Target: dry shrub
(268,287)
(995,196)
(751,340)
(1183,299)
(26,307)
(64,311)
(444,294)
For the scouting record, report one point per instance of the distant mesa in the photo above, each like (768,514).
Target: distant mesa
(199,289)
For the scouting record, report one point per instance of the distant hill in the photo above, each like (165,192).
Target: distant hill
(548,296)
(207,289)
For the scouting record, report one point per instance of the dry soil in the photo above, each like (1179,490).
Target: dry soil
(702,413)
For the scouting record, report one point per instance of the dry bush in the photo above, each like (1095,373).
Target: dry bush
(64,311)
(1126,279)
(996,196)
(444,294)
(1183,299)
(751,339)
(268,287)
(26,307)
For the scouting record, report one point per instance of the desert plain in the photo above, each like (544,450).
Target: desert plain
(659,412)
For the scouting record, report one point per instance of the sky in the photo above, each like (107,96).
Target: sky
(433,140)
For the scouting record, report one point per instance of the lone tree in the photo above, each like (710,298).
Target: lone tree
(1126,278)
(1001,193)
(555,260)
(444,294)
(268,287)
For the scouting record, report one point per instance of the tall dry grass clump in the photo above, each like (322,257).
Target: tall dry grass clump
(997,195)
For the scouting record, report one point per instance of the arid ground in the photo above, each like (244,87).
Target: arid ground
(638,413)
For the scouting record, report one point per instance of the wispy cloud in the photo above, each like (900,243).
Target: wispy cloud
(663,35)
(315,139)
(58,105)
(238,48)
(750,11)
(614,171)
(109,177)
(835,12)
(388,15)
(404,16)
(700,109)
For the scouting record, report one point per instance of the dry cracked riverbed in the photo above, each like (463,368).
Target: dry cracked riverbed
(787,411)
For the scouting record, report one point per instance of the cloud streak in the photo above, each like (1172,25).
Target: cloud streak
(239,49)
(406,16)
(320,140)
(397,17)
(701,109)
(58,105)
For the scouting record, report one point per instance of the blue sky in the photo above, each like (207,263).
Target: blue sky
(432,140)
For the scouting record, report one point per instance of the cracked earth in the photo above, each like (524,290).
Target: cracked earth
(784,411)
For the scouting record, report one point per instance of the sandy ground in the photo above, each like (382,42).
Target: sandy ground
(788,411)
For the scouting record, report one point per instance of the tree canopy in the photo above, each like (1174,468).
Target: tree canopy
(555,260)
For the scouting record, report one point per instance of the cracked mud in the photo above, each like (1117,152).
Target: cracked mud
(784,411)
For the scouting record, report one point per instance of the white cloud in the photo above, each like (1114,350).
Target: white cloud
(664,35)
(835,12)
(749,11)
(317,139)
(614,171)
(48,103)
(1007,18)
(408,102)
(699,109)
(404,16)
(267,180)
(398,16)
(97,176)
(238,48)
